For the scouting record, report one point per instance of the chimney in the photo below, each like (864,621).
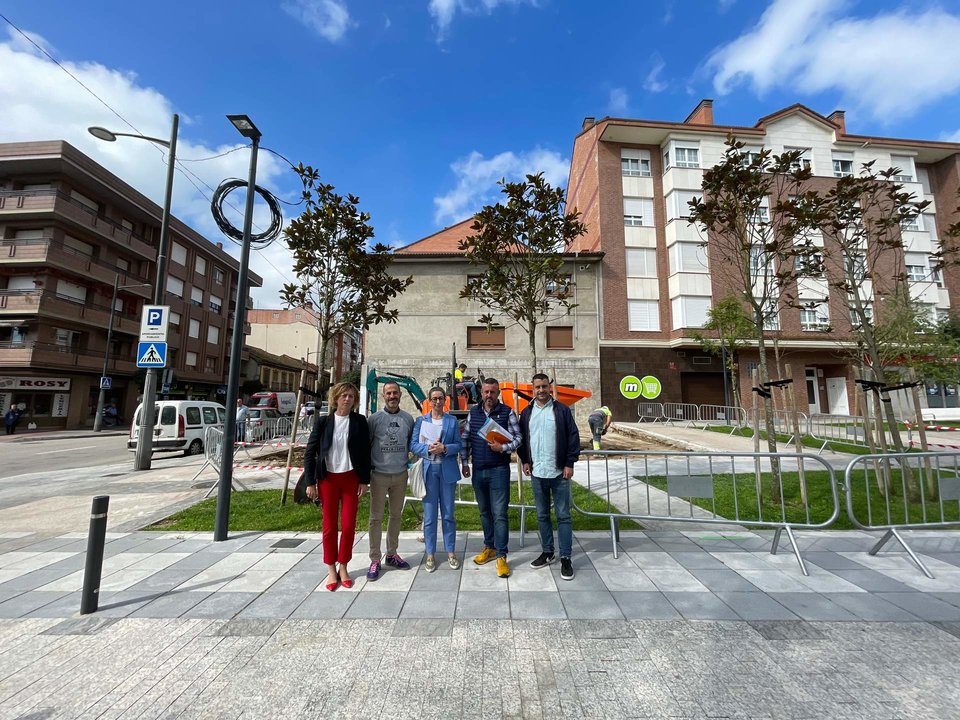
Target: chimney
(702,114)
(219,245)
(588,122)
(837,118)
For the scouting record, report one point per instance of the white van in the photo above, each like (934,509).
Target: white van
(179,425)
(283,402)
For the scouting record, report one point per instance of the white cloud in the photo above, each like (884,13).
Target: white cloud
(618,103)
(951,137)
(653,83)
(889,65)
(41,102)
(725,5)
(477,178)
(444,11)
(330,19)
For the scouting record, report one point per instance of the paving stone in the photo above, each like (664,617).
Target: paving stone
(376,605)
(723,579)
(423,627)
(591,606)
(533,605)
(219,605)
(871,580)
(922,605)
(790,631)
(124,602)
(25,603)
(755,606)
(168,605)
(952,628)
(645,605)
(88,625)
(324,605)
(831,560)
(700,606)
(476,604)
(696,559)
(870,607)
(66,606)
(430,604)
(812,606)
(244,627)
(948,597)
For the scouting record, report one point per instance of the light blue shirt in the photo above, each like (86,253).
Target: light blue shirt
(543,441)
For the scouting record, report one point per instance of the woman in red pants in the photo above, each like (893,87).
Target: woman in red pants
(337,462)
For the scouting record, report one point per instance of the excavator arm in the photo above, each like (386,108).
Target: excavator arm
(375,379)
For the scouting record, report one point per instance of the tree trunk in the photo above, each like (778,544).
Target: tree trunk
(768,419)
(797,435)
(532,337)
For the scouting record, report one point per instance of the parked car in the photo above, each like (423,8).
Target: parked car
(261,424)
(179,425)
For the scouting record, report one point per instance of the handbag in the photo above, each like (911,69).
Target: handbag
(417,487)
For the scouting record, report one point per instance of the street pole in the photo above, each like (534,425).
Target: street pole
(144,452)
(222,520)
(98,418)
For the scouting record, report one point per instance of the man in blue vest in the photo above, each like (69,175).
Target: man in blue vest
(551,445)
(491,471)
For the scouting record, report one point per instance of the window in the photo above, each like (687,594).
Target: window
(178,254)
(127,225)
(638,212)
(192,363)
(759,261)
(635,163)
(192,415)
(641,262)
(209,414)
(479,338)
(914,224)
(814,319)
(175,320)
(200,266)
(175,286)
(194,331)
(298,316)
(772,322)
(678,204)
(218,276)
(196,296)
(687,157)
(560,338)
(66,340)
(917,273)
(867,311)
(213,334)
(810,265)
(943,314)
(71,291)
(216,304)
(762,215)
(803,161)
(122,264)
(643,315)
(76,247)
(562,289)
(855,265)
(688,257)
(689,312)
(91,205)
(842,164)
(904,164)
(210,364)
(936,275)
(749,156)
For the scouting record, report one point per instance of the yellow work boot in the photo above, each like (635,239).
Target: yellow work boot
(503,570)
(485,556)
(596,445)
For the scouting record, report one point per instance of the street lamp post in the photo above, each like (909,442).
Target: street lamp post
(245,127)
(144,452)
(98,418)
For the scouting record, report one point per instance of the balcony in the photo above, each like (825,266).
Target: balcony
(47,251)
(49,355)
(39,203)
(46,303)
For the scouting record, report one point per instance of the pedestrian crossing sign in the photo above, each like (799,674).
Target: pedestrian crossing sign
(152,354)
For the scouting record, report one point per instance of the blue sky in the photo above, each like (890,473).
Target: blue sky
(420,106)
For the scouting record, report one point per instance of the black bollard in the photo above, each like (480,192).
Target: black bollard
(90,597)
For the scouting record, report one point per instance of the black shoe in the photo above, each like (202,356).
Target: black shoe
(542,561)
(566,569)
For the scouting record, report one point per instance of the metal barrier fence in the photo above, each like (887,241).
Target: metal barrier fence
(643,484)
(895,491)
(735,417)
(681,412)
(212,455)
(783,421)
(827,428)
(650,411)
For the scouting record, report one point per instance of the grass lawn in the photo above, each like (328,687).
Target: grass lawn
(819,499)
(261,510)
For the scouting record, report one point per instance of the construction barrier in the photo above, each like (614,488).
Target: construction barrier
(890,492)
(734,417)
(681,412)
(827,428)
(650,411)
(641,485)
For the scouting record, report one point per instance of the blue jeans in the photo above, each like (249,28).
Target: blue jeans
(440,496)
(556,489)
(492,489)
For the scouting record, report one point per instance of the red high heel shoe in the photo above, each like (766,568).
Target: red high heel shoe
(333,586)
(347,583)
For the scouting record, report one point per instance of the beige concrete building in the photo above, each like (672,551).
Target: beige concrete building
(434,320)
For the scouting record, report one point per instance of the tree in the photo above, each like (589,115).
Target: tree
(344,278)
(734,329)
(519,247)
(862,218)
(756,247)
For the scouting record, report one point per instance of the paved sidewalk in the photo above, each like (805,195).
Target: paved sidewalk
(687,625)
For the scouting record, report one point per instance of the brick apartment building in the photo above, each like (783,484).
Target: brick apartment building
(632,180)
(295,332)
(68,228)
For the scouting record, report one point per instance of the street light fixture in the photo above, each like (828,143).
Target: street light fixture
(98,418)
(144,452)
(245,127)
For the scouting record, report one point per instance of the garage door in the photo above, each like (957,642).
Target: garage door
(702,388)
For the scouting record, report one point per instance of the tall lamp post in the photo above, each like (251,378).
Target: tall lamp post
(144,452)
(98,418)
(245,127)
